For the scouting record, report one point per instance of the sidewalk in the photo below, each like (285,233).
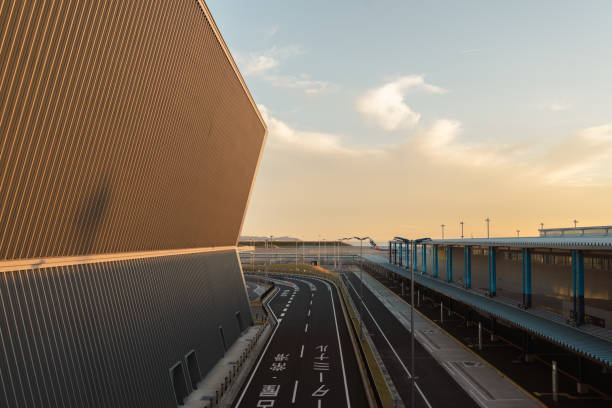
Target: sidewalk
(485,384)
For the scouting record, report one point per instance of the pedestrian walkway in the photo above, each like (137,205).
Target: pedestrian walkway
(485,384)
(585,339)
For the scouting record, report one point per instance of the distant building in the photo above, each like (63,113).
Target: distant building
(128,148)
(602,231)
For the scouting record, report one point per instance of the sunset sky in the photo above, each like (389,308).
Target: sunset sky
(392,118)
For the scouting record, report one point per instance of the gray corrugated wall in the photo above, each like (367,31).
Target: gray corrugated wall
(105,334)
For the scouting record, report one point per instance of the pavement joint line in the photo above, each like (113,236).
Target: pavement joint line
(294,392)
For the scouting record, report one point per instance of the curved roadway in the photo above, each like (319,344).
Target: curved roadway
(308,360)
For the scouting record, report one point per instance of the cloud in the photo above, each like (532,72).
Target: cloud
(282,136)
(553,106)
(264,66)
(442,141)
(386,105)
(270,31)
(583,158)
(254,64)
(303,82)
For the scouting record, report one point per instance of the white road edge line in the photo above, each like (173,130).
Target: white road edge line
(244,390)
(331,297)
(389,343)
(294,392)
(346,391)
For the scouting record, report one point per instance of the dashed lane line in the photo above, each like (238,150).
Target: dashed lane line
(294,392)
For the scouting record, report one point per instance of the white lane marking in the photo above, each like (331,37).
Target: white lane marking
(321,376)
(294,392)
(389,343)
(319,404)
(308,312)
(311,303)
(312,295)
(331,298)
(282,314)
(262,354)
(302,351)
(285,309)
(306,328)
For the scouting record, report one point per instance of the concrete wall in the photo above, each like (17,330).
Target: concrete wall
(106,334)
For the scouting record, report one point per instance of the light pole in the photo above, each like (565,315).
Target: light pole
(442,225)
(541,225)
(296,254)
(487,221)
(319,256)
(412,369)
(461,229)
(575,223)
(518,233)
(361,278)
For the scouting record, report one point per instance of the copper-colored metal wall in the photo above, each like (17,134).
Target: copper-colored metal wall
(123,127)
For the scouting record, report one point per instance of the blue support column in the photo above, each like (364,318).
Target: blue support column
(492,272)
(578,285)
(400,254)
(435,261)
(468,266)
(424,261)
(407,263)
(449,264)
(526,277)
(414,257)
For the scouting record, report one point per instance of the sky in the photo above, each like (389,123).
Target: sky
(390,118)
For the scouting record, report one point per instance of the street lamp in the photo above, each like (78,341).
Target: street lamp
(487,220)
(340,245)
(361,278)
(518,233)
(443,230)
(575,223)
(461,228)
(412,377)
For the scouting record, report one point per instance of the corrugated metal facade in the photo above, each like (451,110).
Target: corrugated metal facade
(124,127)
(106,334)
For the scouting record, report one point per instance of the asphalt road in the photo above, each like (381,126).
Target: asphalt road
(308,360)
(435,387)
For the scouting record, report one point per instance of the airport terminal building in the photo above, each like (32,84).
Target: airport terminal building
(129,145)
(555,288)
